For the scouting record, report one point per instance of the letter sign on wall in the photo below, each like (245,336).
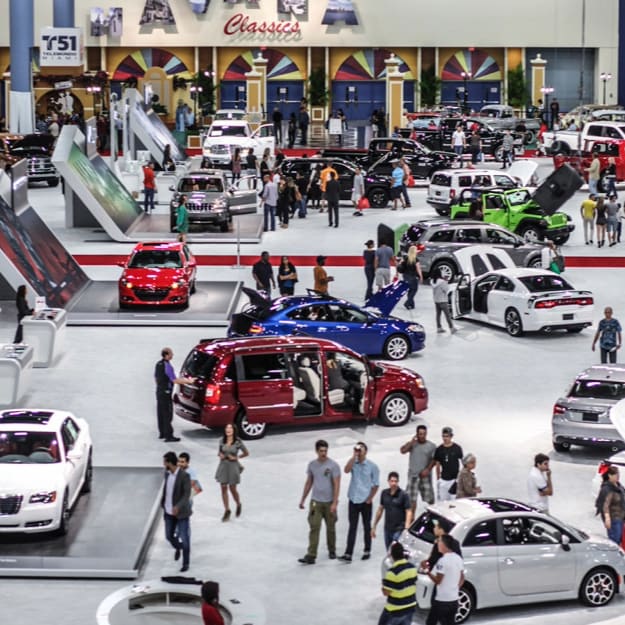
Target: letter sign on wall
(61,47)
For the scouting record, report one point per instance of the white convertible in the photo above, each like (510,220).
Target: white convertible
(492,290)
(45,464)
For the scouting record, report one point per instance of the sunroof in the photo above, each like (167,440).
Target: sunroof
(505,505)
(26,416)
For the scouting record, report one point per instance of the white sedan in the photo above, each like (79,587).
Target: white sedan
(45,464)
(492,290)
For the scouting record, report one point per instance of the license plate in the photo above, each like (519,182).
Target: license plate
(590,416)
(568,317)
(437,192)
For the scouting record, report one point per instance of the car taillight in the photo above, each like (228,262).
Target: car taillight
(420,248)
(212,393)
(573,301)
(255,328)
(557,409)
(452,193)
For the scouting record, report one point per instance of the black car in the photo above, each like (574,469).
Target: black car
(422,165)
(37,150)
(377,186)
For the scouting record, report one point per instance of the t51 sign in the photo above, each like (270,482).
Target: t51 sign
(61,47)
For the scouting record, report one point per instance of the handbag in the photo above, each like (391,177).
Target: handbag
(411,182)
(559,261)
(553,266)
(363,203)
(453,489)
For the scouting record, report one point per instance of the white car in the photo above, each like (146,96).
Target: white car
(45,464)
(514,554)
(492,290)
(225,135)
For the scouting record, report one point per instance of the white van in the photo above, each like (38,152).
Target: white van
(447,184)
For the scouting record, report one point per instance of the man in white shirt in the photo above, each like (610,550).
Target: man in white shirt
(448,575)
(539,486)
(459,142)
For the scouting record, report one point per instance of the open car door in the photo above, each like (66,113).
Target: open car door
(476,260)
(265,138)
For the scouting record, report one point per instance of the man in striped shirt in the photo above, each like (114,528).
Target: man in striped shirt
(400,588)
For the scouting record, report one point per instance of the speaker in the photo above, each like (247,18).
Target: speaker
(559,187)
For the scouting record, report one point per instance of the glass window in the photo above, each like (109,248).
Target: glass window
(504,284)
(72,428)
(541,532)
(483,534)
(28,447)
(199,365)
(442,236)
(478,264)
(469,235)
(315,312)
(504,181)
(598,389)
(345,313)
(495,261)
(262,367)
(487,284)
(516,198)
(441,180)
(423,526)
(465,181)
(500,237)
(539,284)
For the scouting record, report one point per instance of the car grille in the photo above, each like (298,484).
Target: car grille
(220,149)
(151,295)
(38,165)
(10,504)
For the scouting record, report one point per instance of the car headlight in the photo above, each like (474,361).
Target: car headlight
(127,284)
(178,284)
(415,327)
(43,497)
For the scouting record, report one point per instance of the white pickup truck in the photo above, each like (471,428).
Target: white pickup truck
(224,135)
(567,141)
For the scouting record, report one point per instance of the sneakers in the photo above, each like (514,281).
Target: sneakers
(332,555)
(172,439)
(365,556)
(184,568)
(454,330)
(307,560)
(346,557)
(440,330)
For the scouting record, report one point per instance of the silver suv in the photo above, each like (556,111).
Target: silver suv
(438,239)
(582,416)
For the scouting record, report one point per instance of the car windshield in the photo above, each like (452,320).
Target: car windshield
(200,365)
(415,232)
(545,283)
(423,527)
(228,131)
(208,185)
(23,447)
(598,389)
(517,198)
(156,259)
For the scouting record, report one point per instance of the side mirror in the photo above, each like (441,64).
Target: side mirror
(565,541)
(172,188)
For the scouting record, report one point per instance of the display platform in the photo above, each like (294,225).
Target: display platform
(98,304)
(110,530)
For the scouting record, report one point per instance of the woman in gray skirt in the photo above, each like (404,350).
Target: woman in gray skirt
(231,450)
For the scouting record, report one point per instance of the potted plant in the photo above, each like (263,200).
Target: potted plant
(430,85)
(318,94)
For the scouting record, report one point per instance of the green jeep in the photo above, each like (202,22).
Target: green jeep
(533,216)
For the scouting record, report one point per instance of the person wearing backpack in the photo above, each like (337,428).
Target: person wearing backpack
(610,504)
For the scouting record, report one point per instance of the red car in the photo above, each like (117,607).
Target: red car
(286,380)
(158,274)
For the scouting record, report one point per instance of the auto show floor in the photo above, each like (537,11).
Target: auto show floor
(497,393)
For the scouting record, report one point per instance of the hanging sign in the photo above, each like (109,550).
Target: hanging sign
(61,47)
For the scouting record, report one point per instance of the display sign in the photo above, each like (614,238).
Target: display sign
(240,23)
(61,47)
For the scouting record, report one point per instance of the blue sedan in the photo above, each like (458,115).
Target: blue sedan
(369,330)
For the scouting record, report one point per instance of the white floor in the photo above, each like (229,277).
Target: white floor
(495,391)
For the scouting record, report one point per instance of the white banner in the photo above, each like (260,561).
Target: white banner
(61,47)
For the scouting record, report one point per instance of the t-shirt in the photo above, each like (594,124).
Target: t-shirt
(588,209)
(440,290)
(450,566)
(395,507)
(384,254)
(148,178)
(400,582)
(449,459)
(611,208)
(321,279)
(457,138)
(322,474)
(398,176)
(536,483)
(420,457)
(263,272)
(609,329)
(211,615)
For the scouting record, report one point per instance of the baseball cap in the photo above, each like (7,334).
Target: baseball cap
(447,430)
(320,258)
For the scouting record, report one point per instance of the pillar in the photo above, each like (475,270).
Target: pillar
(63,14)
(21,113)
(253,81)
(260,66)
(394,93)
(539,70)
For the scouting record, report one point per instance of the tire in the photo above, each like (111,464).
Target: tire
(536,263)
(562,448)
(250,431)
(529,137)
(65,515)
(598,587)
(192,288)
(443,212)
(561,240)
(88,483)
(224,227)
(560,147)
(466,604)
(396,347)
(378,198)
(53,183)
(513,323)
(448,269)
(498,153)
(532,233)
(396,410)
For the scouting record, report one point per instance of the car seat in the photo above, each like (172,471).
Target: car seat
(310,378)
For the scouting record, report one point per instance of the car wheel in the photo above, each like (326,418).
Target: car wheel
(598,588)
(561,240)
(466,604)
(562,447)
(529,137)
(250,431)
(378,198)
(53,183)
(443,212)
(536,263)
(65,514)
(514,325)
(446,268)
(532,233)
(498,154)
(396,347)
(192,288)
(395,410)
(560,147)
(88,482)
(224,227)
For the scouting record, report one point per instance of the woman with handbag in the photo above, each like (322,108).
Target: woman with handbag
(228,474)
(551,258)
(287,276)
(410,268)
(358,191)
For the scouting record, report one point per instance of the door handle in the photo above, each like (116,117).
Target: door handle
(508,561)
(342,328)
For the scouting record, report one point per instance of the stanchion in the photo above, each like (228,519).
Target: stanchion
(238,265)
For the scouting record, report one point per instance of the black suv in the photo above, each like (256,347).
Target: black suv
(377,187)
(37,150)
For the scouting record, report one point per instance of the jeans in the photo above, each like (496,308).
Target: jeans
(443,612)
(302,206)
(390,536)
(320,511)
(389,618)
(370,275)
(458,149)
(608,356)
(589,224)
(269,211)
(404,192)
(592,186)
(443,307)
(178,535)
(148,199)
(507,158)
(610,182)
(615,533)
(413,287)
(355,510)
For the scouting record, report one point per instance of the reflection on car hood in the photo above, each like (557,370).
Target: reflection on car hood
(155,276)
(16,478)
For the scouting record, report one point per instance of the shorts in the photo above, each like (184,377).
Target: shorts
(421,486)
(396,193)
(612,224)
(382,276)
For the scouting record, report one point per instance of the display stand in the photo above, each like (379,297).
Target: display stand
(16,363)
(45,332)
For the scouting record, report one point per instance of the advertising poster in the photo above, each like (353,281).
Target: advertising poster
(340,11)
(299,8)
(97,22)
(116,22)
(157,12)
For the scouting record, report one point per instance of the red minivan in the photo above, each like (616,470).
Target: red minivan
(258,381)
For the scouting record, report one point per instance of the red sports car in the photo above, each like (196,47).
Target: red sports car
(157,274)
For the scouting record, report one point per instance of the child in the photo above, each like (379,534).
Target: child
(440,291)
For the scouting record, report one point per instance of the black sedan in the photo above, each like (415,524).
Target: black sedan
(422,165)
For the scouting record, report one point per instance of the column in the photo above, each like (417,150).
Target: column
(63,14)
(394,93)
(21,113)
(260,66)
(539,70)
(253,82)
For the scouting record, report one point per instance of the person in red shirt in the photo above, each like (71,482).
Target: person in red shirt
(149,185)
(210,602)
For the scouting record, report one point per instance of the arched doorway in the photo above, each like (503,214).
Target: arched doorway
(483,85)
(359,85)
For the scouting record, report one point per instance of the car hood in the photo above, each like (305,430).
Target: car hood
(395,370)
(153,276)
(19,478)
(558,188)
(387,298)
(523,170)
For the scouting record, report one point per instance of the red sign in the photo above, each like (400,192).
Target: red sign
(240,23)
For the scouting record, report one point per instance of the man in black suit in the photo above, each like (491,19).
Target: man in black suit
(333,197)
(176,503)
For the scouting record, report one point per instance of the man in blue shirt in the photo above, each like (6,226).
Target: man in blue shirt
(609,336)
(363,486)
(397,185)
